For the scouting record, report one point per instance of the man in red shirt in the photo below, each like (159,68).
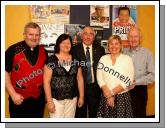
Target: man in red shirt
(24,75)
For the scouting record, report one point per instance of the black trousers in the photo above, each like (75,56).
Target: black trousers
(139,101)
(91,102)
(30,108)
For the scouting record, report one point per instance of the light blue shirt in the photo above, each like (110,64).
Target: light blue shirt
(144,65)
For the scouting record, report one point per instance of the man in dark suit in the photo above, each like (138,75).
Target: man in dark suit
(88,52)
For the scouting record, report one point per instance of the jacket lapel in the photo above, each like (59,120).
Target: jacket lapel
(82,53)
(94,55)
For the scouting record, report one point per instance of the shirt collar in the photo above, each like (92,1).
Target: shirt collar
(28,47)
(90,46)
(136,49)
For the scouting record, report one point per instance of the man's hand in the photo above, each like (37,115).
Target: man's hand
(17,98)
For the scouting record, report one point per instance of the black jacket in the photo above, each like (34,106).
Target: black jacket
(97,50)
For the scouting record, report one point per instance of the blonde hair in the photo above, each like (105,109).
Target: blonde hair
(112,37)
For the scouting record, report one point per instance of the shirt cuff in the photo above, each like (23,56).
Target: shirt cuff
(101,84)
(123,85)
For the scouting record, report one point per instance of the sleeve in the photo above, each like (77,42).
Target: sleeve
(149,77)
(103,51)
(50,62)
(128,73)
(76,56)
(100,73)
(46,53)
(9,56)
(76,62)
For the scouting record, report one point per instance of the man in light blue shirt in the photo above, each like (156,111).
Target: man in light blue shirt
(144,72)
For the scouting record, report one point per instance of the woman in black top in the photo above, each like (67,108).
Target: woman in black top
(62,75)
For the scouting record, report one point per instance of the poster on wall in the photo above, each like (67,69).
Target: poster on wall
(74,30)
(57,14)
(99,15)
(123,18)
(98,34)
(49,35)
(104,44)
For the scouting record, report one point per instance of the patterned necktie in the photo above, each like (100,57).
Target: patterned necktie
(88,63)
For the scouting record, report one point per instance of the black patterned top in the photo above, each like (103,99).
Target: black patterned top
(63,82)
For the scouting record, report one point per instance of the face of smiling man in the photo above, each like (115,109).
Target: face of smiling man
(32,36)
(88,36)
(134,37)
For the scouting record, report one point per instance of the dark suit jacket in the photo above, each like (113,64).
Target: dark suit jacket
(97,50)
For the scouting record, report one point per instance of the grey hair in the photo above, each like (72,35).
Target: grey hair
(89,28)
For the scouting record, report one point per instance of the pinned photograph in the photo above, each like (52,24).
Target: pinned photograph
(99,15)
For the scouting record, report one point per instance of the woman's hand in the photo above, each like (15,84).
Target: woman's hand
(110,101)
(106,92)
(80,102)
(51,107)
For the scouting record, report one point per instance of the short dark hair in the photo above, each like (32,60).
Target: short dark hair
(123,8)
(61,38)
(31,25)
